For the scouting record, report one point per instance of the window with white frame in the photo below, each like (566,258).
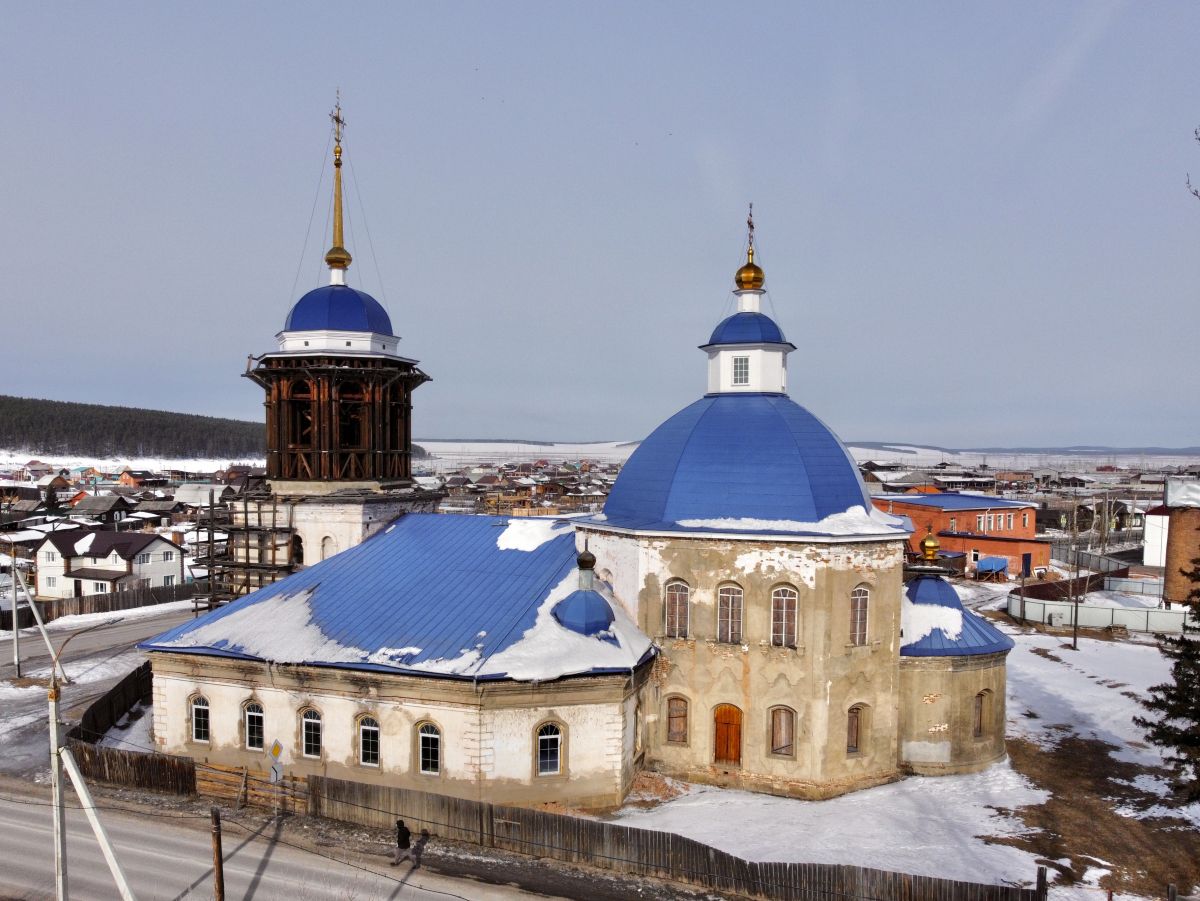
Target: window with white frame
(368,741)
(678,596)
(549,750)
(953,524)
(168,556)
(168,581)
(729,614)
(429,749)
(741,370)
(51,582)
(143,558)
(1010,521)
(310,722)
(254,726)
(100,587)
(1024,520)
(979,523)
(860,599)
(199,718)
(783,616)
(49,556)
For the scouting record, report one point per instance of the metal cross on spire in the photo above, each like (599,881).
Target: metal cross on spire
(338,122)
(750,225)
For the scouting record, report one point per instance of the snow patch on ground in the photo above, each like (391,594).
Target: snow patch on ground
(132,731)
(919,825)
(529,534)
(854,521)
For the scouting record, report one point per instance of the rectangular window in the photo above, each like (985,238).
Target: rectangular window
(168,581)
(312,734)
(729,614)
(1024,520)
(368,742)
(143,558)
(430,749)
(168,556)
(49,556)
(199,720)
(677,713)
(1010,521)
(100,587)
(51,581)
(783,727)
(991,522)
(979,523)
(953,524)
(254,727)
(741,370)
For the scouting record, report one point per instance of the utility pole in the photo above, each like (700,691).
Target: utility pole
(218,858)
(56,794)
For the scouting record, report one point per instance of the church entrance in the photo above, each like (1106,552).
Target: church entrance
(727,749)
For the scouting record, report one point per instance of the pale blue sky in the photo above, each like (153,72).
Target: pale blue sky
(972,216)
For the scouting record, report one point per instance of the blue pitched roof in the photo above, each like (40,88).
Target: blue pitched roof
(977,636)
(428,591)
(338,308)
(747,328)
(954,501)
(731,456)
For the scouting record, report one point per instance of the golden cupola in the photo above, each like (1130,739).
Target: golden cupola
(750,277)
(929,547)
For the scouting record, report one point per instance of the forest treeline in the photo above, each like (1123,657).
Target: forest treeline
(55,427)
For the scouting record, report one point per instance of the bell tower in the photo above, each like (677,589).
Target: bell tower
(338,392)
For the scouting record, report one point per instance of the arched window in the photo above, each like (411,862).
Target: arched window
(678,595)
(783,731)
(297,550)
(300,415)
(368,741)
(729,614)
(199,718)
(252,714)
(328,547)
(549,750)
(783,617)
(429,749)
(854,727)
(982,713)
(677,720)
(310,723)
(860,598)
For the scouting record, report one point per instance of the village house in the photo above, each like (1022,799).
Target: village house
(109,509)
(79,562)
(980,526)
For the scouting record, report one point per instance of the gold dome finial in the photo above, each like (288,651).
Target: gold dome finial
(338,256)
(929,546)
(750,277)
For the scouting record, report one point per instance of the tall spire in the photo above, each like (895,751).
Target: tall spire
(338,258)
(750,277)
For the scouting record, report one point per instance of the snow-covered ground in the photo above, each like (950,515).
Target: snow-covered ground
(939,826)
(10,459)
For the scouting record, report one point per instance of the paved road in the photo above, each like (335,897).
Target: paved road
(168,858)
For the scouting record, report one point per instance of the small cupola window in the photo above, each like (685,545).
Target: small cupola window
(741,370)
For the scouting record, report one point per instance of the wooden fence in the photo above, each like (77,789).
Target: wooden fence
(241,786)
(105,711)
(643,852)
(104,603)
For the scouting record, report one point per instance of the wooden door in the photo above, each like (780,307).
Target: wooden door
(727,748)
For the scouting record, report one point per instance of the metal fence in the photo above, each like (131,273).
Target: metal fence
(1062,613)
(1151,587)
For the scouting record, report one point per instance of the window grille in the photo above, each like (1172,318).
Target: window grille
(741,370)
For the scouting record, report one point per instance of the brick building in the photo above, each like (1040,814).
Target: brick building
(973,524)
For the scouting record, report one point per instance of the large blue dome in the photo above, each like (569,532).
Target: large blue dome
(734,456)
(338,308)
(747,328)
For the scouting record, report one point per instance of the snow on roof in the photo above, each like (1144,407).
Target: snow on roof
(437,594)
(954,501)
(933,623)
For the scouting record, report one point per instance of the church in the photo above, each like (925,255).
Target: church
(739,614)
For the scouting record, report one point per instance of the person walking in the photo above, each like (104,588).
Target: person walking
(403,843)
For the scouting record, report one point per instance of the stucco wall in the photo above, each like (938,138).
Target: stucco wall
(937,713)
(820,679)
(488,733)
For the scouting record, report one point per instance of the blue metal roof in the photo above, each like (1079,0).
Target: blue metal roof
(954,501)
(431,594)
(991,565)
(730,456)
(338,308)
(977,636)
(747,328)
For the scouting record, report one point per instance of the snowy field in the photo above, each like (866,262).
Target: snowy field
(941,826)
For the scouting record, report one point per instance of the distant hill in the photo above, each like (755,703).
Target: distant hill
(51,427)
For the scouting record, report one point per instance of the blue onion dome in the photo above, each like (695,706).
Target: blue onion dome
(584,611)
(754,456)
(747,328)
(338,308)
(933,623)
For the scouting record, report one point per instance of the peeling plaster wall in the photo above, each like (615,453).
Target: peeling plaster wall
(820,679)
(937,713)
(488,742)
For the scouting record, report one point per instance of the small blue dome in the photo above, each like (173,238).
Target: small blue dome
(585,612)
(977,635)
(729,456)
(747,328)
(338,308)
